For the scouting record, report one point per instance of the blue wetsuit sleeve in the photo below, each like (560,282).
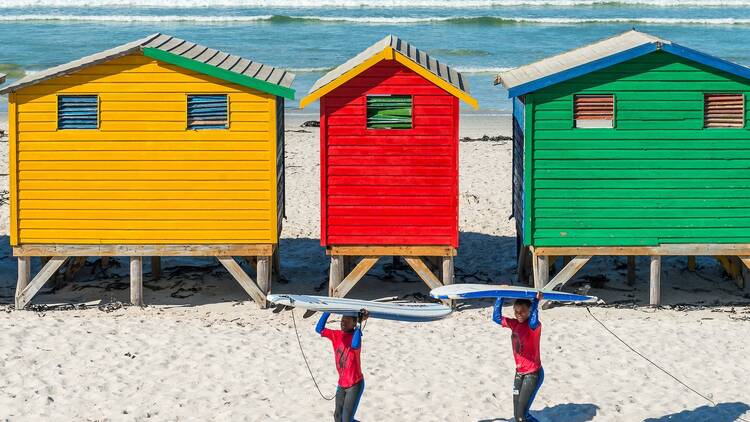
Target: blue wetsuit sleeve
(534,317)
(497,313)
(357,339)
(322,323)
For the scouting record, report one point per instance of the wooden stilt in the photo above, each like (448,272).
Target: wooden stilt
(245,281)
(447,276)
(263,274)
(105,262)
(541,272)
(691,263)
(631,271)
(155,267)
(354,276)
(24,276)
(276,265)
(336,274)
(136,280)
(521,272)
(655,280)
(24,296)
(565,274)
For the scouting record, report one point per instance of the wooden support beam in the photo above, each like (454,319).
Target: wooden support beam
(276,265)
(522,276)
(567,272)
(691,264)
(746,261)
(353,277)
(631,271)
(104,262)
(733,268)
(423,271)
(335,274)
(155,267)
(263,274)
(685,249)
(655,281)
(245,281)
(265,249)
(24,275)
(24,296)
(448,278)
(136,280)
(392,250)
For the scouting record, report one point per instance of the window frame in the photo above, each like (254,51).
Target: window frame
(411,106)
(201,94)
(613,124)
(98,111)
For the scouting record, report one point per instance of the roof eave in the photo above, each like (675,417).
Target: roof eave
(2,78)
(574,72)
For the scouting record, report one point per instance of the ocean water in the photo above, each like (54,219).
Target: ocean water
(309,37)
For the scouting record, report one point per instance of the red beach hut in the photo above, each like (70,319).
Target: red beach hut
(389,122)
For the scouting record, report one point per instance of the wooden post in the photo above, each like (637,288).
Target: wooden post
(136,280)
(24,276)
(336,273)
(655,293)
(631,270)
(155,267)
(541,273)
(691,263)
(276,265)
(447,275)
(353,277)
(263,273)
(521,274)
(23,297)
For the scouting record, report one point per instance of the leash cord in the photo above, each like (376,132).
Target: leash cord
(299,342)
(653,363)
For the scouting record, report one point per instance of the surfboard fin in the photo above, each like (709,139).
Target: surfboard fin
(308,314)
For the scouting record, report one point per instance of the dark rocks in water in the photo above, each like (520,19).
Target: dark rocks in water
(486,138)
(311,123)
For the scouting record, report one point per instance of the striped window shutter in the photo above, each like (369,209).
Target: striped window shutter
(594,111)
(724,110)
(77,112)
(389,112)
(207,112)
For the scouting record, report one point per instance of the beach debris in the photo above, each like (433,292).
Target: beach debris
(487,138)
(311,123)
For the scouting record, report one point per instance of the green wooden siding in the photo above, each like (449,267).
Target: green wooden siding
(658,177)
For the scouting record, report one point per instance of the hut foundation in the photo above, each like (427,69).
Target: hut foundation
(257,289)
(420,258)
(735,258)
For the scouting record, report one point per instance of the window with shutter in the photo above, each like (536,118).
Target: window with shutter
(77,112)
(207,112)
(389,112)
(724,110)
(594,111)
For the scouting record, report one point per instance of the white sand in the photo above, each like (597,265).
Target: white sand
(202,351)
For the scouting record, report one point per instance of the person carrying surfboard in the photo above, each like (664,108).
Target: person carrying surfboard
(526,331)
(347,345)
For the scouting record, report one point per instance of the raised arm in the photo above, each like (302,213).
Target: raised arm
(534,314)
(322,323)
(497,313)
(357,338)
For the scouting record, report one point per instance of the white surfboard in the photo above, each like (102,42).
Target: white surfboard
(479,291)
(412,312)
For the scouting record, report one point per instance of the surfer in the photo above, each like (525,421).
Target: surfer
(526,331)
(347,344)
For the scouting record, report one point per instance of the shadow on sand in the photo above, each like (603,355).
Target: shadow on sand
(722,412)
(568,412)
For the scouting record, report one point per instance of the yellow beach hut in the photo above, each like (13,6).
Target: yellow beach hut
(159,147)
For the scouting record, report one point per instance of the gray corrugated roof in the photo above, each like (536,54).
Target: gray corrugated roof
(417,56)
(2,78)
(574,58)
(169,44)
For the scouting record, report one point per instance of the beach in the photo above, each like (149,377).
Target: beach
(201,350)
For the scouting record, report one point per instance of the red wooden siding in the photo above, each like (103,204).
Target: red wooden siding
(389,187)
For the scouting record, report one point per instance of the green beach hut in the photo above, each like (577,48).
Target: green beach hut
(631,146)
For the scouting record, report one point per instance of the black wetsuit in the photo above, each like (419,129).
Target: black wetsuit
(525,387)
(347,400)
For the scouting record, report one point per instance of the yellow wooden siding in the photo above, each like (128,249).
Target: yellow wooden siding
(142,178)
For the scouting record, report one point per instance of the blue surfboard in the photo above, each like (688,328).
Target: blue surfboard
(480,291)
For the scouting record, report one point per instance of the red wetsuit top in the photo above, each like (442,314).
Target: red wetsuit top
(524,337)
(347,357)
